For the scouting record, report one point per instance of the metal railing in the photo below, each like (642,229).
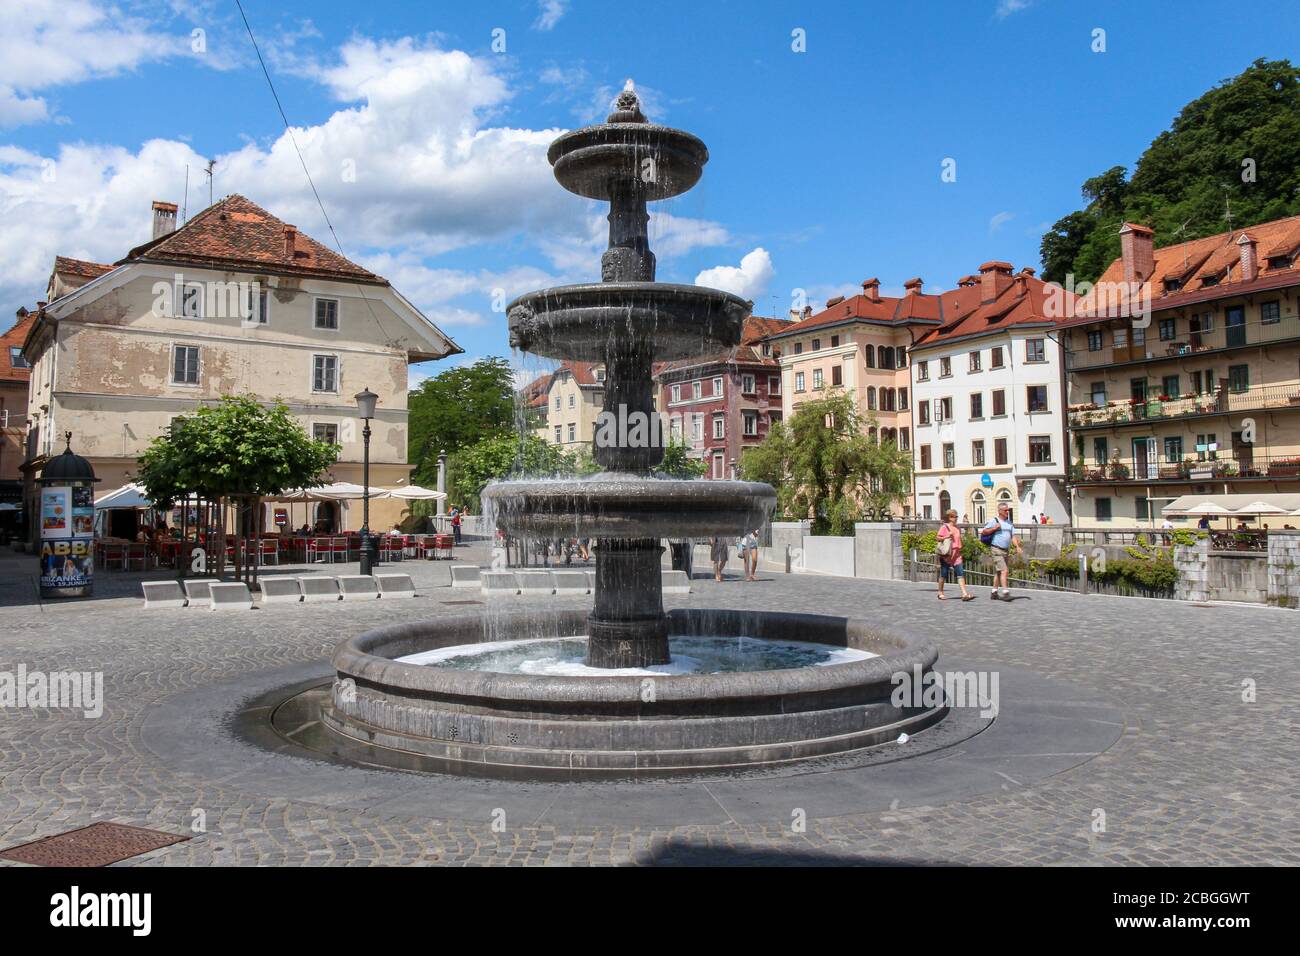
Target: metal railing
(1126,411)
(1129,469)
(1187,344)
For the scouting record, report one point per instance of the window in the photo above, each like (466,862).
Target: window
(816,345)
(718,427)
(1035,350)
(1207,321)
(999,402)
(697,428)
(1238,378)
(837,375)
(558,435)
(974,361)
(747,384)
(327,314)
(943,409)
(885,354)
(1036,398)
(1137,389)
(1094,340)
(905,438)
(923,412)
(325,373)
(677,393)
(774,385)
(1098,393)
(798,381)
(981,511)
(945,367)
(1168,330)
(835,341)
(999,451)
(326,433)
(1139,335)
(1174,449)
(922,371)
(600,375)
(573,432)
(749,423)
(798,348)
(949,455)
(1207,447)
(977,454)
(925,457)
(1143,506)
(1270,313)
(719,471)
(869,355)
(717,387)
(185,365)
(901,355)
(817,378)
(995,357)
(1040,449)
(887,403)
(572,400)
(16,359)
(1169,385)
(902,399)
(1100,451)
(1120,338)
(697,390)
(557,403)
(1103,509)
(258,305)
(977,406)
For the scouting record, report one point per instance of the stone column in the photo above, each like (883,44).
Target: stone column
(442,482)
(627,626)
(1193,565)
(1284,568)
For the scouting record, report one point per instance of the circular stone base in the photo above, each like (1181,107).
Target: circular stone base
(630,725)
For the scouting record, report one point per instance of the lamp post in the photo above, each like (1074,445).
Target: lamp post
(366,410)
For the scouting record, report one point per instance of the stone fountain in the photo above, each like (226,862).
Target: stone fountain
(751,688)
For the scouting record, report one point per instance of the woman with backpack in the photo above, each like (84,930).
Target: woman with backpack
(949,552)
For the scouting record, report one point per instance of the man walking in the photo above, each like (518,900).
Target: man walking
(1000,535)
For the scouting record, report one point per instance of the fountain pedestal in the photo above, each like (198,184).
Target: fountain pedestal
(627,626)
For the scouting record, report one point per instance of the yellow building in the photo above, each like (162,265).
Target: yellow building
(567,403)
(233,302)
(1183,374)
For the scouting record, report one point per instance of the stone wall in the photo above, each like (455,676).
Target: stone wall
(1284,568)
(1237,576)
(878,550)
(1192,563)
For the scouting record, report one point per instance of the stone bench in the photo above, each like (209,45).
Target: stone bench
(277,590)
(196,590)
(358,587)
(499,582)
(465,576)
(393,585)
(570,582)
(676,582)
(230,596)
(536,582)
(318,588)
(163,594)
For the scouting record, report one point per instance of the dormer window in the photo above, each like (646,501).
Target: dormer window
(1281,262)
(1207,281)
(1173,285)
(600,375)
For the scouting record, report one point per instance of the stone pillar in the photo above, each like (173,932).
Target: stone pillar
(1284,568)
(442,482)
(627,626)
(1193,565)
(878,550)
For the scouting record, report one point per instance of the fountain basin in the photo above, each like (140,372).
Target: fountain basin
(660,321)
(632,724)
(629,506)
(597,161)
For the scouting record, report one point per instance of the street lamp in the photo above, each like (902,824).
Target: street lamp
(366,400)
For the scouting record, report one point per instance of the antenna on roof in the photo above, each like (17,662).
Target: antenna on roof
(1227,214)
(211,163)
(1182,231)
(185,203)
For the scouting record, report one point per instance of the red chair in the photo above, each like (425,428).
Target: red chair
(269,550)
(444,545)
(340,546)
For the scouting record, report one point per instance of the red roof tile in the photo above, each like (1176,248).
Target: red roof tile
(80,267)
(14,339)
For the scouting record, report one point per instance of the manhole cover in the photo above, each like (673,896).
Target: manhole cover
(96,845)
(460,602)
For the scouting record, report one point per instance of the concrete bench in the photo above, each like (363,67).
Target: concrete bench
(318,588)
(163,594)
(570,582)
(499,582)
(465,576)
(536,582)
(358,587)
(196,589)
(676,582)
(277,590)
(395,586)
(232,596)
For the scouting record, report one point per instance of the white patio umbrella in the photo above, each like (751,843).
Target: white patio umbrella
(338,491)
(1190,506)
(130,495)
(416,493)
(1260,508)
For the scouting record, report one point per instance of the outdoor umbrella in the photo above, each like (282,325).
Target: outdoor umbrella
(1260,508)
(416,493)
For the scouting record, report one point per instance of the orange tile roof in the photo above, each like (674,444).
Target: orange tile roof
(80,267)
(749,352)
(12,339)
(236,233)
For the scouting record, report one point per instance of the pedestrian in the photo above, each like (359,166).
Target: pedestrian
(951,567)
(1043,519)
(1204,523)
(1000,535)
(455,523)
(749,554)
(718,552)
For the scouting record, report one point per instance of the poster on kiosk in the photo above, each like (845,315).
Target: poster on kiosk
(67,527)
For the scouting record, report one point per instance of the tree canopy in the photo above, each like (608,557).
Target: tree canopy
(502,456)
(824,466)
(458,408)
(236,448)
(1237,144)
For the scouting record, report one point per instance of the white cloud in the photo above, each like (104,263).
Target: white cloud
(49,43)
(1007,7)
(550,13)
(1000,219)
(749,281)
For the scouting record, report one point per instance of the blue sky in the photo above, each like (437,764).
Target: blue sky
(825,164)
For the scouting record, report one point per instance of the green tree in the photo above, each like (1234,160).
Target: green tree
(238,449)
(1191,172)
(499,457)
(824,466)
(678,464)
(458,408)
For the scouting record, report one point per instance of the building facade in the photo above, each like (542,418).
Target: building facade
(1183,370)
(14,374)
(233,302)
(566,404)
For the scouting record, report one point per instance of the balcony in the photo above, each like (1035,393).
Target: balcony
(1187,344)
(1225,401)
(1119,470)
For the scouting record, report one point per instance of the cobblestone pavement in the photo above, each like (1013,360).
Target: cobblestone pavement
(1198,775)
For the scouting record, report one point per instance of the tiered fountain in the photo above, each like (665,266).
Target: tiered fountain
(601,691)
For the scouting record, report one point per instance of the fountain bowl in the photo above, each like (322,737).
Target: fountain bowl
(597,161)
(475,721)
(662,320)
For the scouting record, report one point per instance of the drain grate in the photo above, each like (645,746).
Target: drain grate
(96,845)
(460,602)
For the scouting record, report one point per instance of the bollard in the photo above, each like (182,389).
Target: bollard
(787,559)
(1083,574)
(912,575)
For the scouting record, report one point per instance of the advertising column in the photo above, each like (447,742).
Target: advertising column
(67,526)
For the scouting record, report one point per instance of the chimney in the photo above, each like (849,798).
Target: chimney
(1136,248)
(164,218)
(1249,258)
(836,300)
(871,289)
(994,278)
(913,286)
(290,241)
(807,311)
(967,281)
(1028,272)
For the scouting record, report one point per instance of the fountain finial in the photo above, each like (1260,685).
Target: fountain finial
(627,106)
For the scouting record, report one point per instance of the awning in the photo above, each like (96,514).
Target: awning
(416,493)
(1242,505)
(128,496)
(338,491)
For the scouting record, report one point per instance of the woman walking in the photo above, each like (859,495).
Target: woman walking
(949,551)
(718,552)
(749,553)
